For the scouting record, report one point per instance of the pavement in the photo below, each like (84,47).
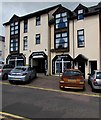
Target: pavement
(46,81)
(52,82)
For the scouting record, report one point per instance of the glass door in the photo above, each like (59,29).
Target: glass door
(58,67)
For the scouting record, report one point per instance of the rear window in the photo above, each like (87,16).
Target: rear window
(19,69)
(71,73)
(98,76)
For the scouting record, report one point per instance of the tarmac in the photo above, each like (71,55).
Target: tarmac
(46,81)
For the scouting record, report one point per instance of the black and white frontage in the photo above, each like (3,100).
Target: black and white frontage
(16,59)
(39,61)
(61,62)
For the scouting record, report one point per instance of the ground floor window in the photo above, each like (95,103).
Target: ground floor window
(61,62)
(60,66)
(16,60)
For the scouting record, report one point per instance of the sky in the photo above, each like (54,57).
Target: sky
(23,7)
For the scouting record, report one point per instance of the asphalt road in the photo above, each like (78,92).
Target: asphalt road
(31,102)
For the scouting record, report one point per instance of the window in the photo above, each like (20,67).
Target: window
(61,20)
(38,20)
(80,14)
(25,26)
(0,52)
(14,28)
(80,36)
(61,40)
(37,38)
(14,45)
(25,43)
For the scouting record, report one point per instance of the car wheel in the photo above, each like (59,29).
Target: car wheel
(5,76)
(29,80)
(93,90)
(84,88)
(11,82)
(62,88)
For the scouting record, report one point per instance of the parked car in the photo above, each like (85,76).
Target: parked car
(94,80)
(72,78)
(21,73)
(4,70)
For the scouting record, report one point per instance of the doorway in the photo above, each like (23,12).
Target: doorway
(81,67)
(93,65)
(41,65)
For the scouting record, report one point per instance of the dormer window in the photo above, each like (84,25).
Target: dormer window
(61,20)
(80,14)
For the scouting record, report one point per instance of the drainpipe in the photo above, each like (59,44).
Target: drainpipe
(100,36)
(73,45)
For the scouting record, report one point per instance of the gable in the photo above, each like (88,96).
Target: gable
(62,9)
(14,18)
(79,7)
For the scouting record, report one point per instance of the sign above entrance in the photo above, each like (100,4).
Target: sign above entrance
(38,56)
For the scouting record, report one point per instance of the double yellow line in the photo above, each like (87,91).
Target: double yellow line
(5,115)
(54,90)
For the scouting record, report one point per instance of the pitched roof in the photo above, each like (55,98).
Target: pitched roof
(37,13)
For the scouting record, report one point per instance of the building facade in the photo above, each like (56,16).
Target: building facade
(2,47)
(55,39)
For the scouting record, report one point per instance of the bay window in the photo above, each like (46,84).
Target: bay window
(61,20)
(61,40)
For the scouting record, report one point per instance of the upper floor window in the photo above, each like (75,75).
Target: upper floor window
(14,45)
(80,36)
(38,20)
(80,14)
(14,28)
(61,40)
(25,43)
(37,38)
(25,26)
(61,20)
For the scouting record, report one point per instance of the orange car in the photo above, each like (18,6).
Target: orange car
(72,78)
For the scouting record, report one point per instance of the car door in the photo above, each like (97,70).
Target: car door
(92,77)
(30,73)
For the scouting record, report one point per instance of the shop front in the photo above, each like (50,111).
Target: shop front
(61,62)
(16,59)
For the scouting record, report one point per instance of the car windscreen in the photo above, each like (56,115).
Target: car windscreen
(71,73)
(19,69)
(98,76)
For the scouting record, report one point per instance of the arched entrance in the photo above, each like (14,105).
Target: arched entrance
(39,61)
